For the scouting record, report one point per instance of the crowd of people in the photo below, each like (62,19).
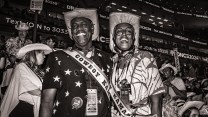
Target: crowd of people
(43,80)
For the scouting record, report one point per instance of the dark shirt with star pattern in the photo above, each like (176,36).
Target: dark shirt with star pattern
(71,81)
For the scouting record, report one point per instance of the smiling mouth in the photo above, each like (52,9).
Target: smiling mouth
(124,39)
(81,34)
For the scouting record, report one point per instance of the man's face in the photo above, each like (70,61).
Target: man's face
(82,30)
(194,113)
(124,33)
(22,33)
(167,72)
(50,43)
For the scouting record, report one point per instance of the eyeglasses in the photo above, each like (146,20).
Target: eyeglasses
(127,31)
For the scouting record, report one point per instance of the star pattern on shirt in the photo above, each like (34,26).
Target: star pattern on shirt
(99,55)
(54,111)
(59,62)
(66,93)
(82,70)
(57,103)
(67,72)
(78,84)
(103,70)
(108,66)
(107,70)
(56,79)
(47,69)
(56,58)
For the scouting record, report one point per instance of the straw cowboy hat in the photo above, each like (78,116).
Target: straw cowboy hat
(22,26)
(31,47)
(86,13)
(124,17)
(190,104)
(166,65)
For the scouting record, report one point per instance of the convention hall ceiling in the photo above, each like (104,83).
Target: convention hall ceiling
(188,16)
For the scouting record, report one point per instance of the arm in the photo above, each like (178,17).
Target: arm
(179,92)
(156,104)
(36,92)
(2,62)
(47,99)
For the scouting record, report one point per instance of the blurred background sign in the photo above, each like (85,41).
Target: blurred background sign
(36,5)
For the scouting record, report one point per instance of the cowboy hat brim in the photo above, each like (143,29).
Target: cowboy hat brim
(124,17)
(31,47)
(189,104)
(86,13)
(170,66)
(22,26)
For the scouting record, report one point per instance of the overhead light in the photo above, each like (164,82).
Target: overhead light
(165,20)
(151,20)
(170,25)
(119,9)
(159,18)
(124,7)
(152,16)
(154,23)
(160,22)
(113,3)
(108,6)
(143,13)
(134,10)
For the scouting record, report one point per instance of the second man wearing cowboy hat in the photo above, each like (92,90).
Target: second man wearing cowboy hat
(71,86)
(135,76)
(175,89)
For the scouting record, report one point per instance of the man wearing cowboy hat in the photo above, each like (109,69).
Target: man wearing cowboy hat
(13,44)
(69,83)
(135,78)
(175,88)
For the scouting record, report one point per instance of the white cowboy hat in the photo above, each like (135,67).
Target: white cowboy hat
(86,13)
(31,47)
(22,26)
(124,17)
(189,104)
(204,80)
(166,65)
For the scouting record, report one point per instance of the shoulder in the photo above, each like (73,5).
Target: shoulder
(21,66)
(103,53)
(143,54)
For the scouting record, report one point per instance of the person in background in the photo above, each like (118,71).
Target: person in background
(175,88)
(135,77)
(22,98)
(2,60)
(13,44)
(69,88)
(191,109)
(52,42)
(63,44)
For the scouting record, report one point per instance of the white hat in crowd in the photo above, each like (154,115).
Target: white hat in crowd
(123,17)
(86,13)
(166,65)
(190,104)
(31,47)
(22,26)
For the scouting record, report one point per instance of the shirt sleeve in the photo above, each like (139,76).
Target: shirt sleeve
(180,84)
(52,77)
(154,81)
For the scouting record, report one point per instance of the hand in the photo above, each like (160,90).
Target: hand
(167,83)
